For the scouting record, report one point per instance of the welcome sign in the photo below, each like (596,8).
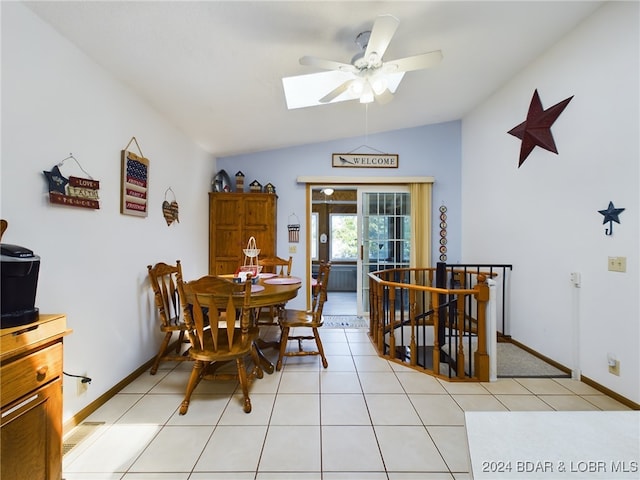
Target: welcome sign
(364,160)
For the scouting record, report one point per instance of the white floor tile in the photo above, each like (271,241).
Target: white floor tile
(117,406)
(339,382)
(349,449)
(174,449)
(124,444)
(543,386)
(261,408)
(232,449)
(479,403)
(407,448)
(380,382)
(567,402)
(449,440)
(291,449)
(340,363)
(299,382)
(156,476)
(438,409)
(391,409)
(370,363)
(203,410)
(417,382)
(152,409)
(344,409)
(296,409)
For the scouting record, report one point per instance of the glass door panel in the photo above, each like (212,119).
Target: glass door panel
(384,236)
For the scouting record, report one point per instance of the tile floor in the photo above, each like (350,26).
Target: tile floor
(363,418)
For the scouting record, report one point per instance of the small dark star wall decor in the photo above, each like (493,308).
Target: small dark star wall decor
(535,131)
(610,215)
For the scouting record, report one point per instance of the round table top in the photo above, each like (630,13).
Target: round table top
(271,293)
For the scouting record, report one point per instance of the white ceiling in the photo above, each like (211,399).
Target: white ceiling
(214,68)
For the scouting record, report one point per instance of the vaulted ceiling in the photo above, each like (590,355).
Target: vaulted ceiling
(214,68)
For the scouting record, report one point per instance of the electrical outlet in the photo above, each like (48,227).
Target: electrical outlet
(615,368)
(82,386)
(617,264)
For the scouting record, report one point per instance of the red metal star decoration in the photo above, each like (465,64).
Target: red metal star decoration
(536,129)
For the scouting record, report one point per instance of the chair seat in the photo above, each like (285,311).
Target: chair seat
(299,318)
(173,327)
(238,347)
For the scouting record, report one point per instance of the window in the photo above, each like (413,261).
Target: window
(344,237)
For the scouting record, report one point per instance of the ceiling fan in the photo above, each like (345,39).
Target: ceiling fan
(366,78)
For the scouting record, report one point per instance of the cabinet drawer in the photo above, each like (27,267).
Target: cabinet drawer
(30,372)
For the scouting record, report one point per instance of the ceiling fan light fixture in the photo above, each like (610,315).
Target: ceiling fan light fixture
(356,87)
(367,96)
(379,84)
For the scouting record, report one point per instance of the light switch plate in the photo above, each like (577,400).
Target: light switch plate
(617,264)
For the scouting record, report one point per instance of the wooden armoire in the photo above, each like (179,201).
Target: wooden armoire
(233,219)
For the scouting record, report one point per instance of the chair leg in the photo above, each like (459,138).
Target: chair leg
(194,379)
(161,352)
(244,384)
(180,342)
(316,334)
(284,338)
(257,369)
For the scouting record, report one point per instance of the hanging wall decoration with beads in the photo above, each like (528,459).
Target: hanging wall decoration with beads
(443,233)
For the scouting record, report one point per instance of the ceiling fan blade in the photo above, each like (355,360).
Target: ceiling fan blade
(416,62)
(304,90)
(382,32)
(326,64)
(336,92)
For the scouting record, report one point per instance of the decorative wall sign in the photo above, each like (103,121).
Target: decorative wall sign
(443,233)
(72,191)
(364,160)
(535,131)
(610,215)
(294,228)
(134,182)
(170,210)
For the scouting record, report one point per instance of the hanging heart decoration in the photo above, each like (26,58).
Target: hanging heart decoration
(174,210)
(170,209)
(167,211)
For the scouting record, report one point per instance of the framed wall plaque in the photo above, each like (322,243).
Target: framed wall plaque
(134,184)
(364,160)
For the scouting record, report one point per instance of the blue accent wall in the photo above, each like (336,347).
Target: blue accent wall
(430,150)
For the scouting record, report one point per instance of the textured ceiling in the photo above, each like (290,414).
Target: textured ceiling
(214,68)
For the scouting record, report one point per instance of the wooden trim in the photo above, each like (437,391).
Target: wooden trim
(616,396)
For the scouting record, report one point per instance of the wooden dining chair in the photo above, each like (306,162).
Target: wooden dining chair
(164,280)
(301,319)
(282,268)
(277,265)
(224,306)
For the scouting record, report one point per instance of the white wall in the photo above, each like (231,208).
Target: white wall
(543,217)
(56,101)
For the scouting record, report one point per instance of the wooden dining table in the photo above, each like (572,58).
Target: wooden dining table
(269,290)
